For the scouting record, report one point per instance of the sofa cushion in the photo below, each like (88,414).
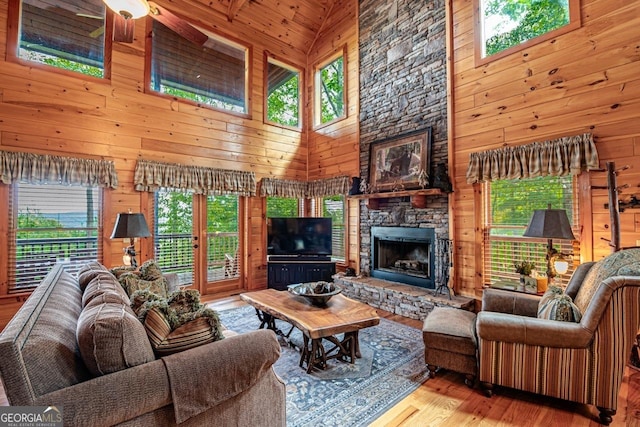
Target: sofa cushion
(103,284)
(612,265)
(111,338)
(85,277)
(192,333)
(556,305)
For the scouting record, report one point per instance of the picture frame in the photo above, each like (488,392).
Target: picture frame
(401,162)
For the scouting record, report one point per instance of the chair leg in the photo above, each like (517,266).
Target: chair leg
(470,380)
(606,415)
(487,388)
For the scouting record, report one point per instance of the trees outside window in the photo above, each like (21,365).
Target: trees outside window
(334,208)
(507,24)
(330,101)
(283,98)
(509,205)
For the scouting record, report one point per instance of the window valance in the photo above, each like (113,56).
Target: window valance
(47,169)
(303,189)
(558,157)
(151,176)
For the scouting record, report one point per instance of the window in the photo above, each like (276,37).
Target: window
(504,25)
(65,34)
(205,69)
(509,207)
(334,207)
(330,102)
(50,224)
(283,94)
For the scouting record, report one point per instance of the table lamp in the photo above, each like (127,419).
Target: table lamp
(551,224)
(130,225)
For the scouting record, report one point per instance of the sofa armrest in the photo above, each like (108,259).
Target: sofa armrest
(503,327)
(204,376)
(113,398)
(502,301)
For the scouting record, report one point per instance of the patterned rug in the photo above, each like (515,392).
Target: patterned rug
(391,367)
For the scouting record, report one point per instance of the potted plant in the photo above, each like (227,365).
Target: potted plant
(524,268)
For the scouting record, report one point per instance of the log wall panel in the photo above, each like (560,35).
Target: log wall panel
(584,81)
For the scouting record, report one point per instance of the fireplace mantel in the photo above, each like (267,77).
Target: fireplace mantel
(418,197)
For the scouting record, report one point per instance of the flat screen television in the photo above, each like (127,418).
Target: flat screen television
(299,236)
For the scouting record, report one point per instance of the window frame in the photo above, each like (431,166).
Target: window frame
(14,24)
(270,58)
(540,243)
(574,23)
(218,36)
(317,96)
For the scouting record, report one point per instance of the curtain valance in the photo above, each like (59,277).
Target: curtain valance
(151,176)
(558,157)
(303,189)
(47,169)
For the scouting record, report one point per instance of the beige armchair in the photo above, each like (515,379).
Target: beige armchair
(582,362)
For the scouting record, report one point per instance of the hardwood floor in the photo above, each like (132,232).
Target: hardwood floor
(446,401)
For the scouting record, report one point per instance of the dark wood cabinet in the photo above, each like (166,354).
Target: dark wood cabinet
(281,274)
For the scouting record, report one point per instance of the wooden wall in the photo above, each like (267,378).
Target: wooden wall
(47,112)
(585,81)
(334,148)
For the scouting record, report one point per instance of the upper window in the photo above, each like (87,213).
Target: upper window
(283,94)
(205,69)
(507,25)
(509,208)
(49,224)
(330,101)
(65,34)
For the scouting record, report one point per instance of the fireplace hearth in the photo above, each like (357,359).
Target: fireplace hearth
(403,254)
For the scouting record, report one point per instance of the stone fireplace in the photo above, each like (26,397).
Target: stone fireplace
(404,255)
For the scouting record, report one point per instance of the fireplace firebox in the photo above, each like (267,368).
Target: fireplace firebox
(403,254)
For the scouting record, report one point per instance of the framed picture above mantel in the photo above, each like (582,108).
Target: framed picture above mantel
(401,162)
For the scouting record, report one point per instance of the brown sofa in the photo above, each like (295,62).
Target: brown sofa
(227,382)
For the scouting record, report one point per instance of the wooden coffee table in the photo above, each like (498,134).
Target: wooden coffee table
(341,315)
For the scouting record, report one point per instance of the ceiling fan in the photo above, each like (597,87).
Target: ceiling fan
(127,11)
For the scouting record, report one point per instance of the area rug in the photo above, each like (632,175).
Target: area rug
(344,394)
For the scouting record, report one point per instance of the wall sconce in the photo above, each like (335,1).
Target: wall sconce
(130,225)
(129,9)
(551,224)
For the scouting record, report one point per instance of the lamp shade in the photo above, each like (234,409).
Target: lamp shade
(129,225)
(550,224)
(129,9)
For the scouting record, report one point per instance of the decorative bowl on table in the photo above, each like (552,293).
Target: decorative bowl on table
(317,293)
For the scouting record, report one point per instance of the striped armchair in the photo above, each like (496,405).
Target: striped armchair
(582,362)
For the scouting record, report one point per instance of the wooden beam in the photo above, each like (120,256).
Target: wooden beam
(234,8)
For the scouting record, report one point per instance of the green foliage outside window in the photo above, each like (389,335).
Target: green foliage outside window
(283,103)
(282,207)
(508,23)
(332,91)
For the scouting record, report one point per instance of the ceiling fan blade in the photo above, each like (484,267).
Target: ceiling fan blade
(86,15)
(123,29)
(97,32)
(177,24)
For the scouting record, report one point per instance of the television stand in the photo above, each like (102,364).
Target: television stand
(283,271)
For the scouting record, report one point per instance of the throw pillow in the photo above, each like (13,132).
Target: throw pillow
(193,333)
(111,338)
(556,305)
(132,282)
(119,271)
(150,270)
